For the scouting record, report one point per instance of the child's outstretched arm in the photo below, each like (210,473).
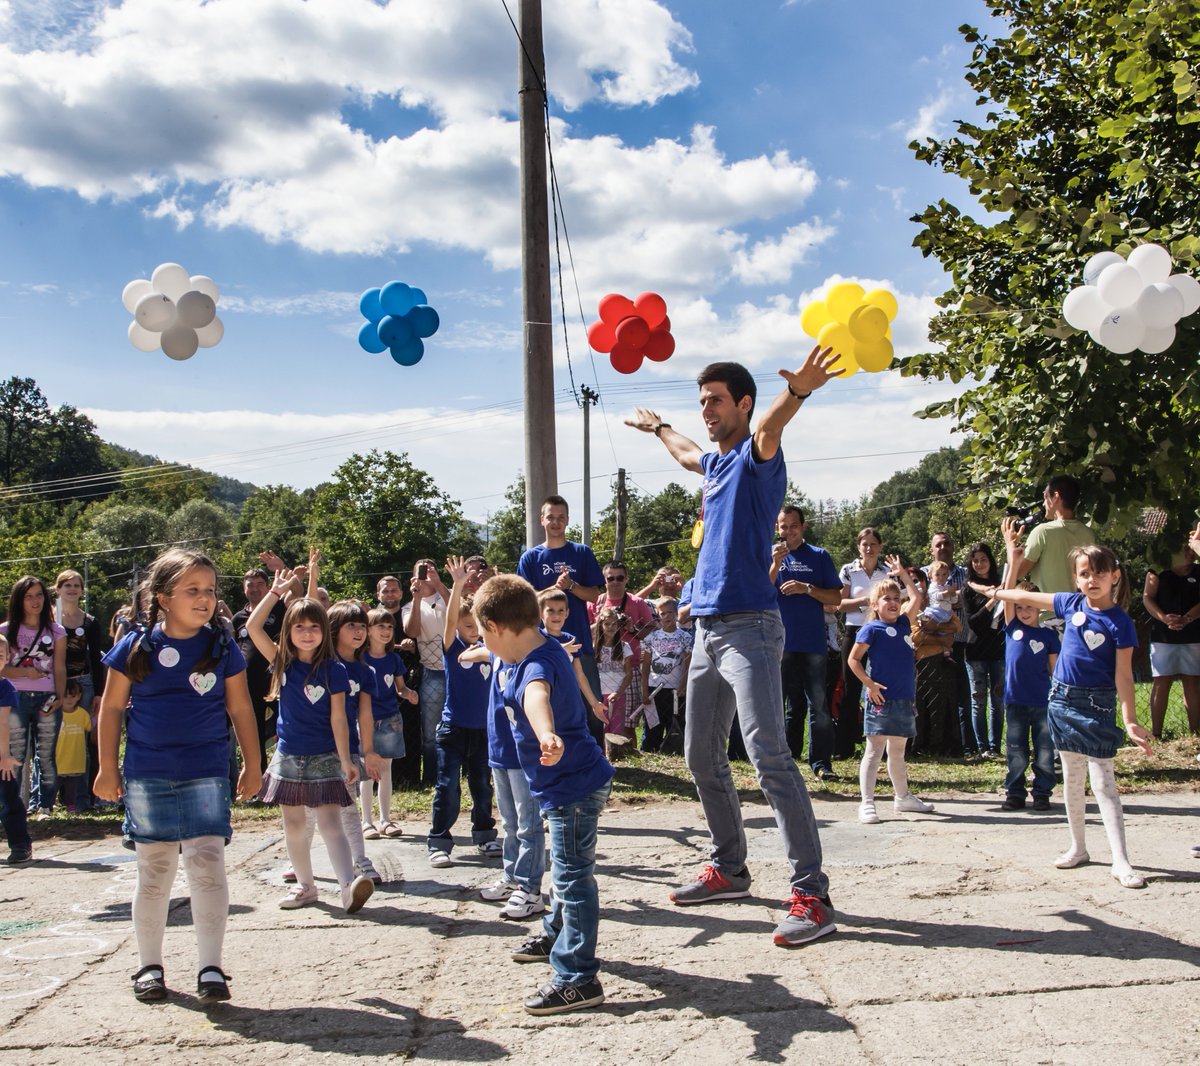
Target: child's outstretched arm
(477,653)
(267,648)
(536,705)
(314,569)
(1125,696)
(1015,559)
(458,573)
(913,608)
(241,714)
(108,740)
(1043,601)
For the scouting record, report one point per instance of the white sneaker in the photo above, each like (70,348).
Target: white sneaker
(1196,851)
(500,889)
(522,905)
(490,849)
(356,893)
(299,896)
(440,859)
(867,815)
(911,805)
(367,869)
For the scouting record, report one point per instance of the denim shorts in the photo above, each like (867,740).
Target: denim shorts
(1174,660)
(896,718)
(1084,720)
(159,810)
(389,737)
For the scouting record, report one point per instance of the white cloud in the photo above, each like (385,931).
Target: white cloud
(774,260)
(930,118)
(171,209)
(321,302)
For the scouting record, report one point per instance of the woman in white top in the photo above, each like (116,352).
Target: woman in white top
(858,578)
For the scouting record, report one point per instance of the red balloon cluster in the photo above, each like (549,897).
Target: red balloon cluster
(632,330)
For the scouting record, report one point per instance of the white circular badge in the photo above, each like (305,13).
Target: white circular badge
(890,631)
(168,657)
(1078,618)
(242,633)
(79,631)
(1017,634)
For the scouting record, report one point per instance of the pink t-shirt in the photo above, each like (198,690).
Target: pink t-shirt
(37,650)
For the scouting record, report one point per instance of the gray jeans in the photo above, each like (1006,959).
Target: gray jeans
(735,667)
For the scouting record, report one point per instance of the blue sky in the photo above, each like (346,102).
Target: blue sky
(736,158)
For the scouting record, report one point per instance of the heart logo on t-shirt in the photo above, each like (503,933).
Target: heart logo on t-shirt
(890,631)
(1018,634)
(909,642)
(502,678)
(1036,647)
(388,679)
(355,688)
(314,693)
(1092,639)
(202,683)
(486,670)
(168,657)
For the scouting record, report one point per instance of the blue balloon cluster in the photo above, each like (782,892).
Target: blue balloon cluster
(398,318)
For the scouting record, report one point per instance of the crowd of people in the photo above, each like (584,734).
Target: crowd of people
(532,685)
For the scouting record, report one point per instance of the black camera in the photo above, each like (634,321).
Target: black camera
(1027,517)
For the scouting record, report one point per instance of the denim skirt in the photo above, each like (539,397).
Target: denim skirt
(305,781)
(896,718)
(1084,720)
(389,736)
(159,810)
(1174,660)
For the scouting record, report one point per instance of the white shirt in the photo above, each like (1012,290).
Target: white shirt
(433,624)
(855,576)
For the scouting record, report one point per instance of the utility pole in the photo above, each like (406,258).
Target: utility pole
(541,461)
(590,396)
(622,510)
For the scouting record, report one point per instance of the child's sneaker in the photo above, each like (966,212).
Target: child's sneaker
(367,869)
(552,999)
(356,893)
(911,805)
(299,896)
(439,860)
(534,948)
(1196,851)
(499,889)
(522,905)
(289,877)
(491,849)
(867,813)
(808,918)
(712,886)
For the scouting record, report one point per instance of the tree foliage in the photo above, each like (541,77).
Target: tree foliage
(1089,140)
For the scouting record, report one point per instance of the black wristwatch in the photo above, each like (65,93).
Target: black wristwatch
(660,427)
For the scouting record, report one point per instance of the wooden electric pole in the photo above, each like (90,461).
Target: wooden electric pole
(541,460)
(622,513)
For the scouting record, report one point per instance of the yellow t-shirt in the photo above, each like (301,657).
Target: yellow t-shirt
(70,757)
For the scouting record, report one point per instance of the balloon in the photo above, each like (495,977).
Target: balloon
(652,308)
(424,320)
(838,337)
(1121,331)
(842,299)
(133,292)
(396,331)
(155,312)
(196,309)
(1084,307)
(180,342)
(419,296)
(1189,289)
(625,360)
(615,307)
(884,300)
(632,332)
(601,336)
(170,279)
(875,356)
(868,323)
(1119,284)
(396,298)
(203,283)
(813,317)
(368,339)
(368,305)
(1160,305)
(1155,341)
(846,363)
(665,323)
(210,336)
(660,346)
(141,338)
(1094,267)
(409,353)
(1152,262)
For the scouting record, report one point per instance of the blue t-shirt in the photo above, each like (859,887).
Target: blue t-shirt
(176,726)
(583,768)
(541,566)
(387,668)
(1026,663)
(466,703)
(804,617)
(304,726)
(1090,641)
(502,748)
(362,679)
(8,694)
(741,500)
(890,659)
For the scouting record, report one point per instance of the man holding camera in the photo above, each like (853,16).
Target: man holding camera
(637,614)
(1047,553)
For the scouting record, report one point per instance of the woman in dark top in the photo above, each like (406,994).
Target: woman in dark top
(84,647)
(1172,599)
(985,652)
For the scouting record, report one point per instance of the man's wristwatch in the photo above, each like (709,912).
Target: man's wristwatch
(798,395)
(660,427)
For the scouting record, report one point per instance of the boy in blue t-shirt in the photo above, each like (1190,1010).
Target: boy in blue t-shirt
(20,844)
(568,776)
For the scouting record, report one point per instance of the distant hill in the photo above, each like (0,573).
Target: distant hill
(228,492)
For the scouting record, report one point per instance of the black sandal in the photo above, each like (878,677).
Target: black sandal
(212,989)
(149,984)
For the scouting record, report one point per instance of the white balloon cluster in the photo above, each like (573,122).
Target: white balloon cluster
(173,311)
(1132,304)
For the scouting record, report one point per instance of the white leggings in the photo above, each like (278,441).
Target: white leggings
(868,769)
(204,864)
(351,826)
(1076,769)
(295,835)
(366,788)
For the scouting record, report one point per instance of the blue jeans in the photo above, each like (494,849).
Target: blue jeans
(432,703)
(987,678)
(33,734)
(1022,720)
(574,919)
(735,667)
(524,837)
(803,676)
(458,747)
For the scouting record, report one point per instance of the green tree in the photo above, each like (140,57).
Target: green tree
(506,528)
(654,524)
(125,525)
(1089,139)
(200,523)
(275,517)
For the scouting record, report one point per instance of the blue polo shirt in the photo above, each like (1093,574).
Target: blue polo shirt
(1026,663)
(1090,641)
(890,660)
(541,566)
(804,627)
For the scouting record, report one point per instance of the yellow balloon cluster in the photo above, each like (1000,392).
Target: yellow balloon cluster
(856,324)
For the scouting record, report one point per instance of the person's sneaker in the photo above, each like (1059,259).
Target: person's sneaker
(1041,803)
(808,918)
(1195,851)
(522,905)
(867,814)
(367,869)
(289,877)
(356,893)
(1014,803)
(42,814)
(550,999)
(911,805)
(534,948)
(824,773)
(490,849)
(299,896)
(711,886)
(439,860)
(19,855)
(499,889)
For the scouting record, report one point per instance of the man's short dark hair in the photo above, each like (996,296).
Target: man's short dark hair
(791,508)
(615,564)
(258,571)
(1067,489)
(554,501)
(475,560)
(735,377)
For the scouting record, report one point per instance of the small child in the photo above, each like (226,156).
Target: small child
(12,808)
(554,605)
(71,752)
(939,594)
(569,777)
(614,659)
(889,718)
(666,655)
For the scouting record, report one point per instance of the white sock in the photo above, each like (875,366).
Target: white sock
(896,766)
(298,840)
(385,791)
(329,822)
(1074,768)
(156,866)
(366,798)
(204,864)
(868,769)
(1104,787)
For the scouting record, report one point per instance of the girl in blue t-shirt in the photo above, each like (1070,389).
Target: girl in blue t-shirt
(311,766)
(1094,671)
(170,685)
(889,716)
(387,720)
